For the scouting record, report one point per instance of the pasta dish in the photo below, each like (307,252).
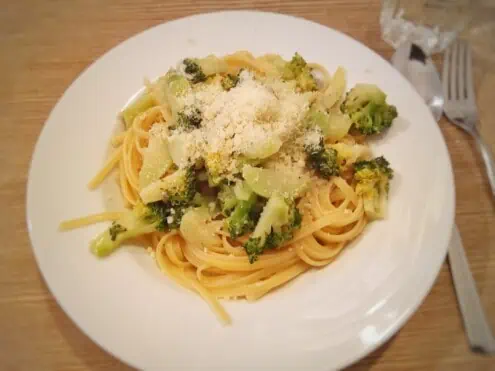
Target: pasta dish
(240,173)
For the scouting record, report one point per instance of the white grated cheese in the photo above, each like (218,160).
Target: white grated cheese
(159,130)
(248,115)
(313,137)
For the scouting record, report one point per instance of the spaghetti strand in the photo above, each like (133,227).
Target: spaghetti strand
(216,266)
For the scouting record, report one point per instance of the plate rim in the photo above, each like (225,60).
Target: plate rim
(359,354)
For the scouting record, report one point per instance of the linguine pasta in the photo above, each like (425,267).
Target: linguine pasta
(200,252)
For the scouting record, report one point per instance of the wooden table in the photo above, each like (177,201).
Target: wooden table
(46,44)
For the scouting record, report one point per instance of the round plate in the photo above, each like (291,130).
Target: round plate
(326,318)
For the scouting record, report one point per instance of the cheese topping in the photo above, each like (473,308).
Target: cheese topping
(256,115)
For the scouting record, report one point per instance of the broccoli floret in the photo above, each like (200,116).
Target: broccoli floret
(297,69)
(193,69)
(176,200)
(159,215)
(179,186)
(286,233)
(254,247)
(216,167)
(189,120)
(226,199)
(240,220)
(133,223)
(323,160)
(216,164)
(159,210)
(277,222)
(294,68)
(230,81)
(373,181)
(367,107)
(169,213)
(306,81)
(239,204)
(184,186)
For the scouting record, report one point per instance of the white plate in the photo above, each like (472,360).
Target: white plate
(324,320)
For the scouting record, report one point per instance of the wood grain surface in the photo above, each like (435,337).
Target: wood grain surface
(46,44)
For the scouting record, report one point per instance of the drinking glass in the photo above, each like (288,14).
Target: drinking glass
(431,24)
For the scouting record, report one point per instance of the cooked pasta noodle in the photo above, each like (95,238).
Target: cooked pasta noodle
(209,260)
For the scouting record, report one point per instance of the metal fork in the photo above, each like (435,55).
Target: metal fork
(460,100)
(460,108)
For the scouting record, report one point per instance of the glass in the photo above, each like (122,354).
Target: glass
(431,24)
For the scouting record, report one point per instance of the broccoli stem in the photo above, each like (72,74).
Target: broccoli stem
(240,221)
(108,241)
(278,221)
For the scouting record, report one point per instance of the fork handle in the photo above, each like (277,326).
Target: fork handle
(477,327)
(487,156)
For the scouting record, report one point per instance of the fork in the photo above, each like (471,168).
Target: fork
(460,108)
(460,100)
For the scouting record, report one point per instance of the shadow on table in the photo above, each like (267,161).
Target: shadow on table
(83,347)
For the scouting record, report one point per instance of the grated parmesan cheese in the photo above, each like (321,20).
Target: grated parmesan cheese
(313,136)
(159,130)
(236,121)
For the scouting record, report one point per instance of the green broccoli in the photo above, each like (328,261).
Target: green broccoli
(367,107)
(169,213)
(323,160)
(226,199)
(139,221)
(193,69)
(215,165)
(160,214)
(241,218)
(276,224)
(294,68)
(179,186)
(184,187)
(373,182)
(115,229)
(230,81)
(286,233)
(189,120)
(175,199)
(306,81)
(159,210)
(297,69)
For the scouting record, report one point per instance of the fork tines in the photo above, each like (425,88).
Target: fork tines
(457,73)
